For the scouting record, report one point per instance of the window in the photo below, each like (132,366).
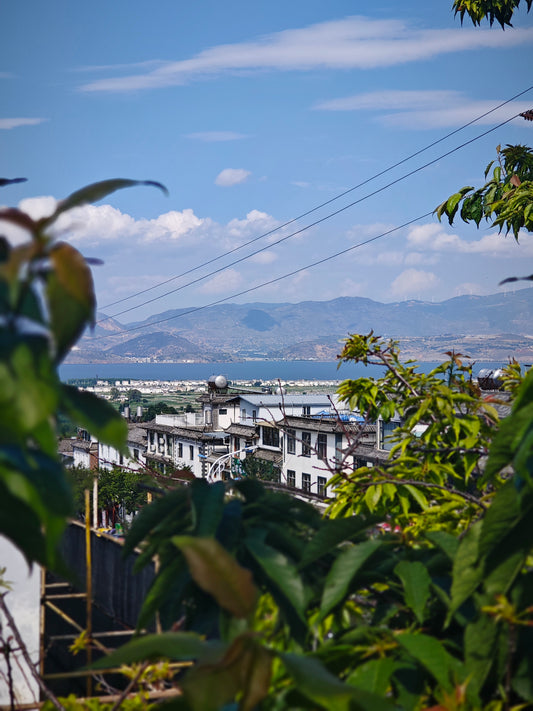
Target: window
(338,448)
(322,446)
(291,477)
(223,411)
(291,441)
(254,415)
(243,415)
(306,444)
(237,444)
(321,482)
(306,410)
(306,482)
(191,451)
(136,454)
(180,450)
(270,436)
(387,428)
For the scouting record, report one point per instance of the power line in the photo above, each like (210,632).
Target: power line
(313,224)
(195,309)
(314,209)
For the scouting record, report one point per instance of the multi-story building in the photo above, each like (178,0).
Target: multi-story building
(298,441)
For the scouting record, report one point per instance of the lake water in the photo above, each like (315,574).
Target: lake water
(247,370)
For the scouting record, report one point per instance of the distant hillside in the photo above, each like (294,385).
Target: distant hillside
(315,329)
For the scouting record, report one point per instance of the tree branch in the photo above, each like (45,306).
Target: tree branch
(11,622)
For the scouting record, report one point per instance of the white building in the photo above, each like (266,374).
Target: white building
(109,457)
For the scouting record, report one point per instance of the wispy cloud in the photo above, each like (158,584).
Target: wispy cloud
(216,136)
(351,43)
(148,64)
(232,176)
(6,124)
(412,282)
(424,109)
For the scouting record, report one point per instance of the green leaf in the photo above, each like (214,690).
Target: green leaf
(480,645)
(374,676)
(96,415)
(466,574)
(431,654)
(180,646)
(95,192)
(281,572)
(331,533)
(313,680)
(173,504)
(219,574)
(37,479)
(372,496)
(445,541)
(416,582)
(207,506)
(342,573)
(22,526)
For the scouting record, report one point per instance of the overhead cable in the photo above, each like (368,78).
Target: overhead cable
(310,211)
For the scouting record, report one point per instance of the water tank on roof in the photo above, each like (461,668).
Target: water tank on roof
(127,412)
(217,382)
(139,412)
(280,391)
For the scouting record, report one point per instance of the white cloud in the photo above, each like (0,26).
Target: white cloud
(94,224)
(415,259)
(350,43)
(264,257)
(232,176)
(228,280)
(216,136)
(412,282)
(171,225)
(130,284)
(37,207)
(7,124)
(349,287)
(434,238)
(428,109)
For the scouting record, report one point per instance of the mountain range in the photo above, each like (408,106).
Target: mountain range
(493,327)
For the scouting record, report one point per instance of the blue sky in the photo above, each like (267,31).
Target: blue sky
(251,114)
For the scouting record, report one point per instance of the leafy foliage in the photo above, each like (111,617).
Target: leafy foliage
(506,200)
(433,476)
(46,301)
(500,10)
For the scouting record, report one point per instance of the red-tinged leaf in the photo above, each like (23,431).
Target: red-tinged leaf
(515,181)
(245,670)
(73,274)
(18,218)
(97,191)
(71,297)
(219,574)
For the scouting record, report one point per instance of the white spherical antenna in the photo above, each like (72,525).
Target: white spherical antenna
(221,382)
